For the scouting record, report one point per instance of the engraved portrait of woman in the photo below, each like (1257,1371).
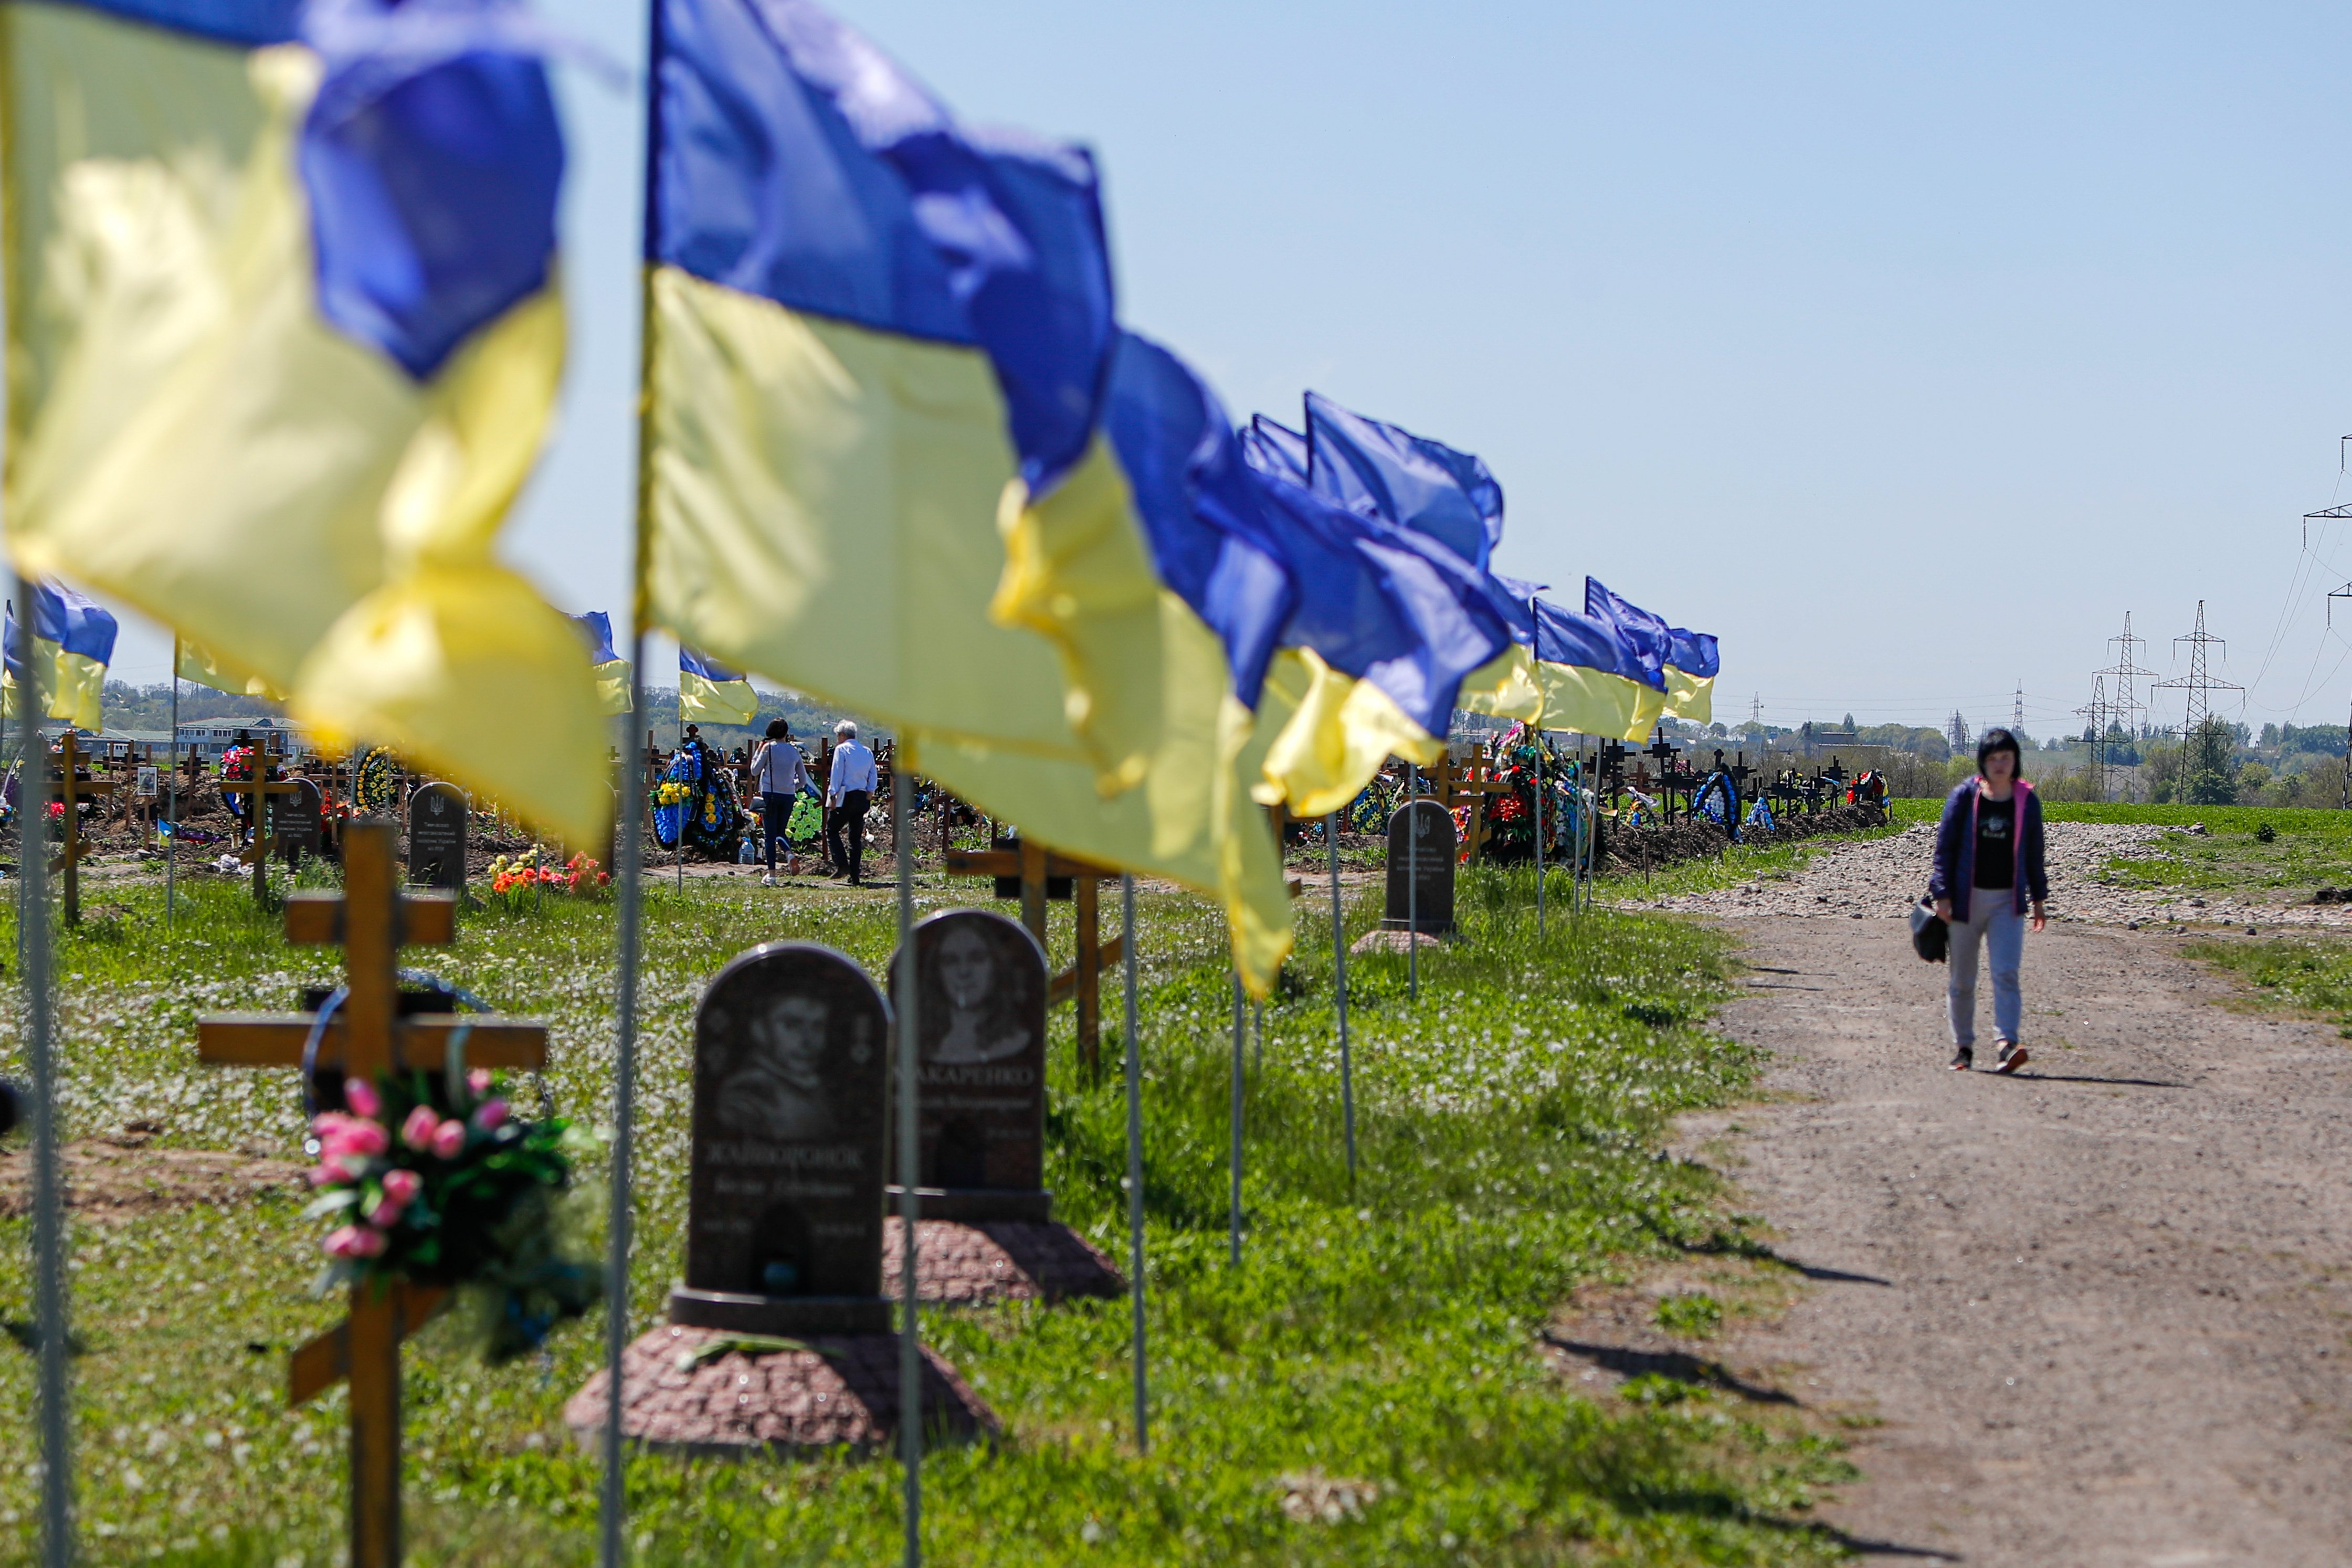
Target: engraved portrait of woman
(978,1001)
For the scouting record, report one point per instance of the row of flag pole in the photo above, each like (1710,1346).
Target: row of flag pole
(286,329)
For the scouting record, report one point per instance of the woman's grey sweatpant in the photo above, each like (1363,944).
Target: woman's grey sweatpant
(1994,924)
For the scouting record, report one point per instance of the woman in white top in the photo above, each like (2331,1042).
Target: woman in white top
(780,775)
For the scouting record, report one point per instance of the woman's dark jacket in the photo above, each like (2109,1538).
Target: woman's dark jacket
(1956,850)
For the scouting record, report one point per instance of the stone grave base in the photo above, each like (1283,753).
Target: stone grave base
(1381,939)
(962,1265)
(842,1392)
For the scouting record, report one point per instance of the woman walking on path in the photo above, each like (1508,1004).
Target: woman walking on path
(1988,867)
(780,775)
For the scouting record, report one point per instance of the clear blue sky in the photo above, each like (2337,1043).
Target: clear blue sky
(1905,347)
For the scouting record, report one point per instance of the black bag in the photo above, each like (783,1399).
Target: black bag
(1930,938)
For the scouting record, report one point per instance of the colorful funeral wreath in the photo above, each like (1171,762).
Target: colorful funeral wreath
(440,1184)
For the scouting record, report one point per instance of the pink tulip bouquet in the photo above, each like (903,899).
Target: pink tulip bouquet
(452,1188)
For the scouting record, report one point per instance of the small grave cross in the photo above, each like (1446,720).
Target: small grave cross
(72,784)
(261,784)
(367,1038)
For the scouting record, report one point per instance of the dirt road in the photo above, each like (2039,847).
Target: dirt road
(2101,1309)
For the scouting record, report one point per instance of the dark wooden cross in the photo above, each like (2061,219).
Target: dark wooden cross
(73,784)
(367,1038)
(260,784)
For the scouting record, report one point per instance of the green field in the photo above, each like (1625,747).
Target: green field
(1386,1332)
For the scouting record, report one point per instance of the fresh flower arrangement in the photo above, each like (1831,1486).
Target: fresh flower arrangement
(579,874)
(454,1189)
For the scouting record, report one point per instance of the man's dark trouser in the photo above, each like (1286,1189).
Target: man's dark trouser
(849,814)
(775,810)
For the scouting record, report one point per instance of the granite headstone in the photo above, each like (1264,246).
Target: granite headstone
(783,1230)
(979,1026)
(436,837)
(1429,854)
(298,820)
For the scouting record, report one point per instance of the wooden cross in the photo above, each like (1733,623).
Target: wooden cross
(1471,786)
(72,784)
(260,786)
(368,1039)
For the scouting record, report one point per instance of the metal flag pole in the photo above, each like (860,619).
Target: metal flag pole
(1413,879)
(910,1326)
(1134,1164)
(1237,1257)
(1542,784)
(1339,989)
(614,1504)
(172,798)
(48,1194)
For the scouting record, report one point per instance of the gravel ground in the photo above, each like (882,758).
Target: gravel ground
(1881,876)
(2099,1308)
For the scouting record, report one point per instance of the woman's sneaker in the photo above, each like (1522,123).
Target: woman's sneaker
(1964,1059)
(2012,1057)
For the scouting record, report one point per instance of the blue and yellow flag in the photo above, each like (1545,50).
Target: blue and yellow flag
(1385,471)
(1691,670)
(710,693)
(605,667)
(1394,620)
(879,465)
(285,339)
(73,642)
(1590,676)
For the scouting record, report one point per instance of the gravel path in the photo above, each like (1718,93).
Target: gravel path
(2100,1308)
(1881,876)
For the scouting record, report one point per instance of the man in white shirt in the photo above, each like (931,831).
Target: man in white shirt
(779,776)
(848,791)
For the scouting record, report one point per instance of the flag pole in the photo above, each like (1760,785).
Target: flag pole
(1339,989)
(628,872)
(1413,879)
(171,796)
(48,1195)
(1236,1256)
(1134,1162)
(1541,784)
(910,1326)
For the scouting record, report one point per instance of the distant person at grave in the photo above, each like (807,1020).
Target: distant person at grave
(776,1088)
(779,776)
(1988,869)
(982,1022)
(848,791)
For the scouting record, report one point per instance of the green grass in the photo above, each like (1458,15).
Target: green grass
(2304,974)
(1509,1122)
(2308,849)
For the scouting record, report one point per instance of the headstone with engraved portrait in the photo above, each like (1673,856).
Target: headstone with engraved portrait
(1425,857)
(784,1231)
(436,837)
(298,822)
(979,1031)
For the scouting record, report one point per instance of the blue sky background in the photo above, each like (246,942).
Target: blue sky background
(1904,348)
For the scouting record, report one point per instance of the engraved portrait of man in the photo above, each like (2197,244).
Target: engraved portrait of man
(776,1087)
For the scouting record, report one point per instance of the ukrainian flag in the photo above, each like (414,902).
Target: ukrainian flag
(710,693)
(879,467)
(284,338)
(73,642)
(1682,665)
(1691,670)
(194,663)
(1389,622)
(1508,685)
(1592,679)
(606,667)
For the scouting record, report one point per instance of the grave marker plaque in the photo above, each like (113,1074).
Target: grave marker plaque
(436,837)
(298,822)
(979,1023)
(784,1208)
(1430,852)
